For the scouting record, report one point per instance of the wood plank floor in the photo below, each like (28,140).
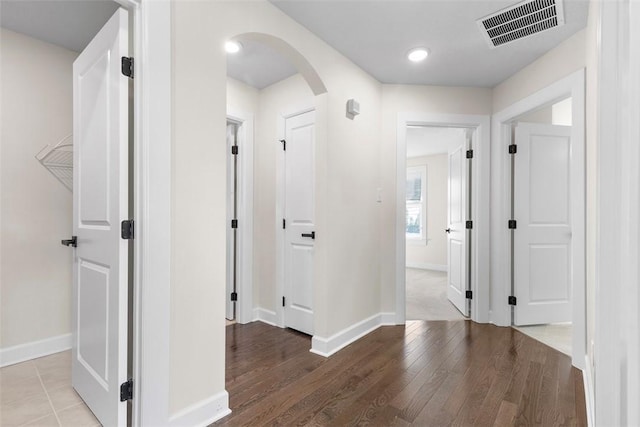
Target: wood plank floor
(427,373)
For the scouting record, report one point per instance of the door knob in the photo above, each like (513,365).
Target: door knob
(448,230)
(312,234)
(73,242)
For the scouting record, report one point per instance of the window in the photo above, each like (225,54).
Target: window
(416,212)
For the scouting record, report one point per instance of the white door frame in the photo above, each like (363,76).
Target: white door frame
(151,35)
(288,112)
(570,86)
(244,248)
(479,273)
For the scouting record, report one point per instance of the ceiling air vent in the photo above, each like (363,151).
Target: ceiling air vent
(521,20)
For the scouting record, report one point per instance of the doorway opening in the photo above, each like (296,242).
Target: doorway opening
(442,217)
(438,204)
(541,242)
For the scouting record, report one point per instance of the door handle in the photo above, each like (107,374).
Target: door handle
(73,242)
(448,230)
(312,234)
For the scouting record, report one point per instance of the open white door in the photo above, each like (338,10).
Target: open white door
(232,214)
(456,226)
(100,194)
(542,239)
(300,225)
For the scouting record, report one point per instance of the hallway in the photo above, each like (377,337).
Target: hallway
(427,373)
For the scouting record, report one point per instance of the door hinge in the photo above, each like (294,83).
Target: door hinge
(234,150)
(512,300)
(468,294)
(513,149)
(512,224)
(126,229)
(469,154)
(284,144)
(284,223)
(234,296)
(234,223)
(469,225)
(283,300)
(126,390)
(127,66)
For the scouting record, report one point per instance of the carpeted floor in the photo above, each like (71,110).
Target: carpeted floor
(427,296)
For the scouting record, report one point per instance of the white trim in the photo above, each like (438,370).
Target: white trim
(152,211)
(34,349)
(427,266)
(265,316)
(244,306)
(291,111)
(203,413)
(587,378)
(570,86)
(328,346)
(480,206)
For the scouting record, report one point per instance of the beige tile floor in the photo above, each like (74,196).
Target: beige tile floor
(555,335)
(39,393)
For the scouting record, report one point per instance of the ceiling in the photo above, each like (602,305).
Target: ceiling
(374,34)
(427,141)
(67,23)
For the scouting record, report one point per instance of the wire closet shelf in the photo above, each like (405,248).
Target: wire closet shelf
(58,159)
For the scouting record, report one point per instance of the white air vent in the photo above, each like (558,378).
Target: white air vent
(521,20)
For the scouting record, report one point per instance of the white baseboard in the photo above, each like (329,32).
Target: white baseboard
(203,413)
(589,392)
(427,266)
(266,316)
(328,346)
(34,349)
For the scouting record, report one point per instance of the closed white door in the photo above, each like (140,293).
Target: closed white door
(100,194)
(456,226)
(300,226)
(542,210)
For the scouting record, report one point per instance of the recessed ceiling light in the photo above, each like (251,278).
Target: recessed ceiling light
(418,54)
(232,47)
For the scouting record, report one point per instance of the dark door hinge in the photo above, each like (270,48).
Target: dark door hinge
(126,390)
(284,144)
(283,302)
(512,300)
(513,149)
(469,225)
(234,296)
(468,294)
(512,224)
(284,223)
(126,229)
(234,223)
(469,154)
(234,150)
(127,66)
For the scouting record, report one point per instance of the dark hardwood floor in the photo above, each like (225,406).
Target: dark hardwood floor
(427,373)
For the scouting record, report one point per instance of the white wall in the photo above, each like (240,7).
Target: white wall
(434,252)
(347,213)
(417,99)
(241,96)
(35,281)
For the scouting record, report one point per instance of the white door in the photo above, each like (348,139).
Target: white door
(100,194)
(542,238)
(300,226)
(232,213)
(456,226)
